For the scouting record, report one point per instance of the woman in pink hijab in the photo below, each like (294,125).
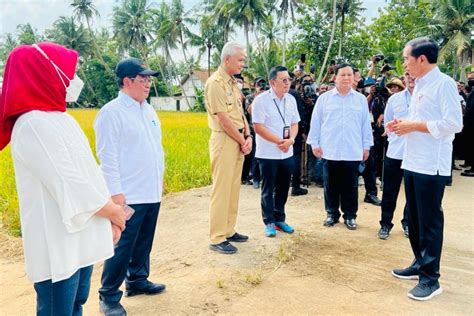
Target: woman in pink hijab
(68,221)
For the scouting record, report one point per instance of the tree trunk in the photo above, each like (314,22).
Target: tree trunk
(246,28)
(97,51)
(330,43)
(284,39)
(342,32)
(208,60)
(262,53)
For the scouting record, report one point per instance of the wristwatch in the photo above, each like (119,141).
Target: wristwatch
(292,140)
(247,136)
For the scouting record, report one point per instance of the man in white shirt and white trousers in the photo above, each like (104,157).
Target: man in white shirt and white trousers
(128,142)
(434,117)
(341,134)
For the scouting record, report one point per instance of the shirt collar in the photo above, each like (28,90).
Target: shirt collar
(225,76)
(128,100)
(335,91)
(275,97)
(429,76)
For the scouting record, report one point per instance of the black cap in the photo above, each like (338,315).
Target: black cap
(130,67)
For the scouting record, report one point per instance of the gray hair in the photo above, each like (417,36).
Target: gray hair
(230,48)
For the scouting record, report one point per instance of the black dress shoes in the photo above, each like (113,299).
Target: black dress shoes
(149,288)
(372,199)
(351,223)
(112,308)
(468,173)
(238,238)
(298,191)
(330,221)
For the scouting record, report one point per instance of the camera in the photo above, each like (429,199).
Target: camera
(308,89)
(378,57)
(263,85)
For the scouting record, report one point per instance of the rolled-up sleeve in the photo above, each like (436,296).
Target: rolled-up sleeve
(42,150)
(107,133)
(451,121)
(314,134)
(367,136)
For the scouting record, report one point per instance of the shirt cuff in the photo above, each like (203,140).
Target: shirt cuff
(433,129)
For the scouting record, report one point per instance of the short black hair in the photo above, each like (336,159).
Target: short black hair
(354,69)
(343,65)
(274,71)
(424,46)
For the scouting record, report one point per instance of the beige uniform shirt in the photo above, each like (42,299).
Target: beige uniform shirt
(222,95)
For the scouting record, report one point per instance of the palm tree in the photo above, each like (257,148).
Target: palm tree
(270,31)
(451,27)
(287,6)
(68,33)
(209,37)
(344,8)
(220,16)
(7,45)
(27,34)
(247,13)
(86,10)
(131,24)
(333,29)
(168,34)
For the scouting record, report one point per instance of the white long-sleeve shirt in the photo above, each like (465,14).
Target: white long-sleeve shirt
(60,188)
(340,126)
(274,114)
(397,107)
(128,144)
(435,101)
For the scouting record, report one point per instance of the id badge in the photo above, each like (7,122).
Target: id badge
(286,132)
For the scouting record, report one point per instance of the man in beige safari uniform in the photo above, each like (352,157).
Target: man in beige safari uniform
(230,141)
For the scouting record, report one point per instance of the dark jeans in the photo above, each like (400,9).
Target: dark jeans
(131,261)
(254,168)
(340,188)
(65,297)
(315,167)
(369,174)
(393,176)
(296,174)
(424,195)
(276,176)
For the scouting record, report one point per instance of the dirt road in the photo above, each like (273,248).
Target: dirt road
(317,270)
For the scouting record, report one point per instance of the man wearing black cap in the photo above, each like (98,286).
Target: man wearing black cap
(128,144)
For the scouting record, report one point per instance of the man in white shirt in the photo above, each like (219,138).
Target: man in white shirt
(434,117)
(341,134)
(397,107)
(128,142)
(275,118)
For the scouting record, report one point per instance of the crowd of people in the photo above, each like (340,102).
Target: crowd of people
(286,133)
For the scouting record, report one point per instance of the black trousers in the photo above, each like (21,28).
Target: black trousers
(340,187)
(296,174)
(131,261)
(424,195)
(393,176)
(369,174)
(276,176)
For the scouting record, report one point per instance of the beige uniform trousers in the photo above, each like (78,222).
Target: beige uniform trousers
(226,163)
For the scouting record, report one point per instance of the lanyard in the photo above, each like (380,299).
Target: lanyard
(284,110)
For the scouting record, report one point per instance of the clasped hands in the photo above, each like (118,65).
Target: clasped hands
(398,127)
(285,144)
(246,148)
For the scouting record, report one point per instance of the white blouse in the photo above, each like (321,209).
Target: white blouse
(60,188)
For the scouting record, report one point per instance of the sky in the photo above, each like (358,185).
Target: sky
(42,13)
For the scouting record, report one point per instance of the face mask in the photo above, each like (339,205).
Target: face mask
(73,90)
(240,85)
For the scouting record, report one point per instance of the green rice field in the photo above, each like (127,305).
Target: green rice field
(185,141)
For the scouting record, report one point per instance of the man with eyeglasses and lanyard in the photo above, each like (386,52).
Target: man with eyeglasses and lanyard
(128,144)
(275,118)
(341,134)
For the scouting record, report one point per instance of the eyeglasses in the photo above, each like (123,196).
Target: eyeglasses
(284,80)
(142,80)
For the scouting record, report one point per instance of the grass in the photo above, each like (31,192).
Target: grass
(185,142)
